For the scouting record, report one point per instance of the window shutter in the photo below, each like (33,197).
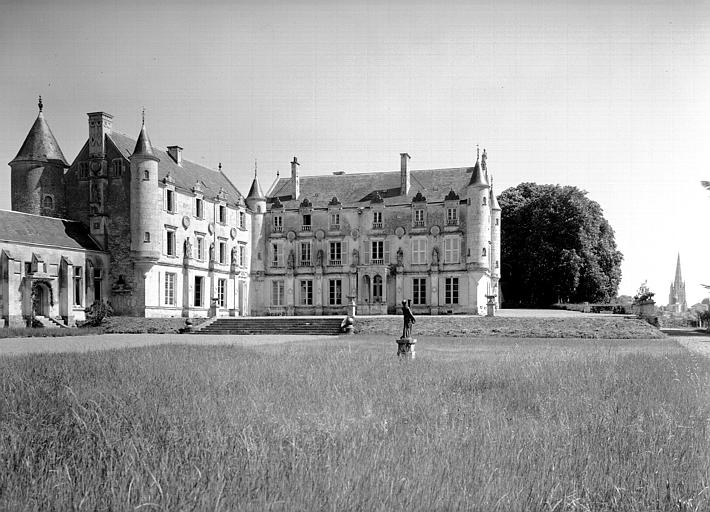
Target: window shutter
(366,252)
(426,251)
(387,252)
(345,252)
(462,250)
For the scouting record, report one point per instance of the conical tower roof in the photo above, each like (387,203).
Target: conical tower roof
(143,145)
(478,177)
(255,191)
(494,201)
(40,144)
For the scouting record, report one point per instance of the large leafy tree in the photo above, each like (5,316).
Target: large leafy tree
(556,246)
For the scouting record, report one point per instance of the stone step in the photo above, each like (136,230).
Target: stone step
(281,325)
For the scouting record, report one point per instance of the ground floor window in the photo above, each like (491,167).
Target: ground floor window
(78,289)
(98,275)
(335,292)
(199,291)
(277,293)
(307,293)
(170,279)
(419,290)
(222,293)
(451,290)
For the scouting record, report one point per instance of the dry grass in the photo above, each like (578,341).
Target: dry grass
(341,424)
(42,332)
(605,327)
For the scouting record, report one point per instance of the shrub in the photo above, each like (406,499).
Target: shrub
(96,313)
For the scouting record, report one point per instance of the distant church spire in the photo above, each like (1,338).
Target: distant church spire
(676,298)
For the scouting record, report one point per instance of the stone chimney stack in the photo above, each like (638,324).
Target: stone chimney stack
(175,153)
(404,174)
(99,126)
(294,177)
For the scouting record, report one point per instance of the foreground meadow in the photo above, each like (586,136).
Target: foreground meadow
(341,424)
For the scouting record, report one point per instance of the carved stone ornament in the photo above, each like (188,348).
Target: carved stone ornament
(210,228)
(185,221)
(435,230)
(399,231)
(233,233)
(355,234)
(291,236)
(320,234)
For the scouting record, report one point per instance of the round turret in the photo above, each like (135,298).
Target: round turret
(37,172)
(256,201)
(146,198)
(478,223)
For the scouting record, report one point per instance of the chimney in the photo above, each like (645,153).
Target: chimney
(295,178)
(175,153)
(404,174)
(99,126)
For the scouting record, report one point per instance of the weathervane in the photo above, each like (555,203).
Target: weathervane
(143,115)
(39,103)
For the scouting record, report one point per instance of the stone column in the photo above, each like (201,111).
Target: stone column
(399,280)
(318,290)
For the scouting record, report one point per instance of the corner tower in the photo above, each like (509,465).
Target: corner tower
(37,172)
(146,235)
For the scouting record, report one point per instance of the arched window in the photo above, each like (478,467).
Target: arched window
(48,202)
(484,201)
(146,174)
(483,253)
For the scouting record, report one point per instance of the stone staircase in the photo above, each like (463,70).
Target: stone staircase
(321,325)
(50,323)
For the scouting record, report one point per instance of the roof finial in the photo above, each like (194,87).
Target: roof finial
(255,168)
(39,103)
(478,152)
(220,167)
(143,117)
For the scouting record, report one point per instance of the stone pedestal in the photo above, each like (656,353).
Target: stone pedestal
(491,305)
(405,348)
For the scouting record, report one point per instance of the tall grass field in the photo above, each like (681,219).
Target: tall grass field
(472,424)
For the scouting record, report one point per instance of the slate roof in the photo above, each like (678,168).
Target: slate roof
(185,175)
(36,229)
(40,145)
(359,189)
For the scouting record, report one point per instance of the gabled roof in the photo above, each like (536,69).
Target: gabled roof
(36,229)
(359,189)
(185,175)
(40,145)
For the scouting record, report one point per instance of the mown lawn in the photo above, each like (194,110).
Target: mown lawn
(341,424)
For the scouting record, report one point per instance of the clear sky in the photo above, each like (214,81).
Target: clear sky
(610,96)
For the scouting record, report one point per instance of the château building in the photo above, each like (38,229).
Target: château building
(157,235)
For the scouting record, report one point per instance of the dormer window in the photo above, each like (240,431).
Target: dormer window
(418,220)
(242,220)
(334,221)
(376,220)
(170,200)
(222,214)
(306,222)
(199,208)
(278,223)
(452,216)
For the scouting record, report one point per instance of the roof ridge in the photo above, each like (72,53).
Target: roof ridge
(38,215)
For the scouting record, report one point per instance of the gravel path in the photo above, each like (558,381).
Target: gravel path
(17,346)
(691,339)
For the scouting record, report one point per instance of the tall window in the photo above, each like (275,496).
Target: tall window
(170,200)
(278,223)
(98,277)
(451,250)
(334,221)
(170,243)
(307,292)
(170,279)
(377,289)
(376,220)
(419,251)
(452,216)
(242,220)
(78,288)
(276,255)
(277,293)
(451,290)
(306,222)
(242,256)
(146,237)
(418,217)
(306,254)
(48,202)
(199,208)
(419,290)
(199,283)
(378,252)
(222,293)
(222,214)
(335,292)
(223,252)
(83,170)
(200,247)
(335,257)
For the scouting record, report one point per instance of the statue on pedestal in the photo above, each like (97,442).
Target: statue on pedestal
(408,320)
